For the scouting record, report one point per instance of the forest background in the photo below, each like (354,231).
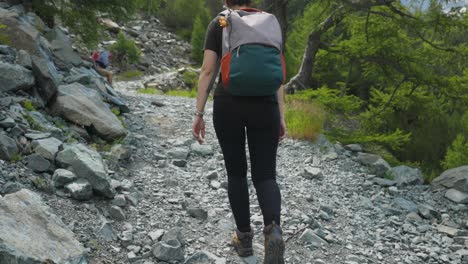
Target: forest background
(391,75)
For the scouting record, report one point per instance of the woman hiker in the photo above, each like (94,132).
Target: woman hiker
(260,119)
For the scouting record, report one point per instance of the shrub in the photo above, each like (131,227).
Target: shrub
(190,79)
(331,99)
(125,51)
(457,153)
(4,40)
(28,105)
(304,120)
(198,39)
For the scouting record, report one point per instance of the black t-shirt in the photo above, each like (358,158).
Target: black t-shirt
(213,41)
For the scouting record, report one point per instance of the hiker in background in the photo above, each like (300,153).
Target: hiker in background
(248,103)
(101,62)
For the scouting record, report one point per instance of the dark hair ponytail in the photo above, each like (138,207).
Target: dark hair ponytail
(238,2)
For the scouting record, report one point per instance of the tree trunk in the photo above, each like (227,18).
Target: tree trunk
(280,9)
(302,80)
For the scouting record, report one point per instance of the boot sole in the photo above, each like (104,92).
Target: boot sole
(276,251)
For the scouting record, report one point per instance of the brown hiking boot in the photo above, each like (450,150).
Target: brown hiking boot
(242,242)
(274,244)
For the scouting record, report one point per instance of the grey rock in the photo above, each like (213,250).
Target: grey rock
(120,153)
(384,182)
(15,77)
(178,153)
(64,56)
(119,200)
(201,149)
(156,235)
(47,148)
(8,148)
(354,147)
(87,164)
(169,251)
(404,176)
(405,204)
(179,163)
(174,234)
(309,237)
(8,122)
(215,185)
(198,213)
(117,213)
(204,257)
(106,231)
(213,175)
(376,164)
(47,77)
(450,231)
(456,178)
(35,136)
(456,196)
(80,190)
(311,173)
(85,107)
(24,59)
(62,177)
(24,216)
(428,212)
(11,187)
(37,163)
(133,198)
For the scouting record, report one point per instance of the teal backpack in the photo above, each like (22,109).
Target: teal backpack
(252,62)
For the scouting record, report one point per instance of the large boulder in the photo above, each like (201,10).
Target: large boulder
(85,107)
(456,178)
(64,56)
(8,148)
(376,164)
(47,147)
(30,233)
(404,175)
(47,77)
(24,36)
(14,77)
(86,164)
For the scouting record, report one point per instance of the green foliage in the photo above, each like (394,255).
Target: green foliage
(410,75)
(183,93)
(17,157)
(190,79)
(457,153)
(180,15)
(129,75)
(32,123)
(28,105)
(150,7)
(125,50)
(115,111)
(82,16)
(4,40)
(304,120)
(331,99)
(198,39)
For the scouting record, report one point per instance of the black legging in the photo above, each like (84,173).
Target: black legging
(260,118)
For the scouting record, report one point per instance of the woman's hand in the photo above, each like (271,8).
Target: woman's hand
(282,129)
(198,129)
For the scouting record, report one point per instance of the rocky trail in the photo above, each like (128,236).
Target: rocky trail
(96,174)
(334,210)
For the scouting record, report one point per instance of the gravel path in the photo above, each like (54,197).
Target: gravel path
(333,211)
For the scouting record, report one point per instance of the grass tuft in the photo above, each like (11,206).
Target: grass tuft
(129,75)
(304,120)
